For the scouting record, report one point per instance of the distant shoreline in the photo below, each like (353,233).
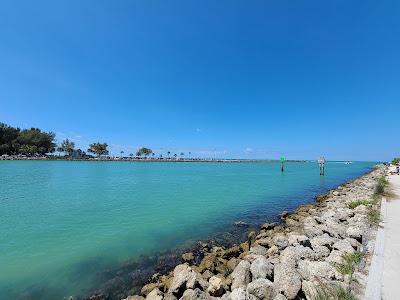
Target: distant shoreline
(144,160)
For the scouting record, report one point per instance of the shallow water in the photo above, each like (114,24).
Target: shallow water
(63,221)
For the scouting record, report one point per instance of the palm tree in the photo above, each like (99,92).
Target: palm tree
(122,152)
(153,154)
(131,155)
(182,154)
(175,155)
(169,153)
(67,147)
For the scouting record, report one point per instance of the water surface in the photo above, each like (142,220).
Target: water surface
(61,221)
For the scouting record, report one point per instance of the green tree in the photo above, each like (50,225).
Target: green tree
(144,151)
(98,149)
(39,142)
(67,147)
(8,136)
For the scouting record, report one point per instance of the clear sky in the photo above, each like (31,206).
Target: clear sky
(252,79)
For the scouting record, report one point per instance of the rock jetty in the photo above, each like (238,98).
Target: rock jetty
(320,249)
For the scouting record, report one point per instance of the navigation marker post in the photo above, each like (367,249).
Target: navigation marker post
(282,161)
(321,162)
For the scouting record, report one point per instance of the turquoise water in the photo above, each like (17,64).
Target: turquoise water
(60,221)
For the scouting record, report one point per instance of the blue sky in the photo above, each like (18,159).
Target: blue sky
(252,79)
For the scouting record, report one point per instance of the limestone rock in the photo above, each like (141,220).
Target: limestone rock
(215,287)
(261,288)
(280,297)
(287,280)
(343,246)
(238,294)
(281,241)
(149,287)
(185,277)
(261,268)
(310,270)
(354,232)
(195,294)
(241,275)
(155,294)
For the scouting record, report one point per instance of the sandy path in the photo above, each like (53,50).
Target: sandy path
(391,257)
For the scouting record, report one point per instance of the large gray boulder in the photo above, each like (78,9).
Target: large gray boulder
(343,246)
(241,275)
(261,288)
(261,268)
(186,278)
(286,279)
(238,294)
(311,270)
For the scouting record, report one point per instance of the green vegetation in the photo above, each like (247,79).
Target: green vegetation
(334,292)
(67,147)
(356,203)
(144,151)
(396,161)
(374,216)
(32,141)
(350,261)
(98,149)
(380,186)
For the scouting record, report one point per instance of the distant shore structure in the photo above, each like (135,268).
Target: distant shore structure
(142,159)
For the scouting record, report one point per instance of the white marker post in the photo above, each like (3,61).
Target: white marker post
(321,162)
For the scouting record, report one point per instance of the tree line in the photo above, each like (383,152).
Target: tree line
(26,141)
(33,141)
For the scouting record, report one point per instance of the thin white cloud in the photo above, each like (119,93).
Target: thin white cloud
(249,150)
(198,130)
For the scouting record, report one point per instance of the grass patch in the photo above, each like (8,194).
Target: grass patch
(350,261)
(355,203)
(380,186)
(374,216)
(334,292)
(343,294)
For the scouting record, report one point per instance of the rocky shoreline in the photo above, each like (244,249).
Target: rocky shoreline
(322,248)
